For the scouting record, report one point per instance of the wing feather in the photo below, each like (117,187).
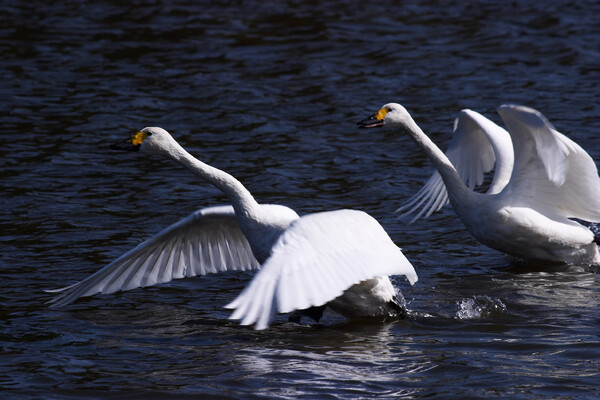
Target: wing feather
(552,173)
(315,260)
(207,241)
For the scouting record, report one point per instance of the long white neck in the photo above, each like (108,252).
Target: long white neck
(458,192)
(243,202)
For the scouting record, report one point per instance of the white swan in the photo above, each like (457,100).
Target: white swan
(477,146)
(553,179)
(340,259)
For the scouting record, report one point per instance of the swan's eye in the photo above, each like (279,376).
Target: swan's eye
(139,138)
(380,115)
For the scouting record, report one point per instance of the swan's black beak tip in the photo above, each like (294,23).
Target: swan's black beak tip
(370,122)
(124,145)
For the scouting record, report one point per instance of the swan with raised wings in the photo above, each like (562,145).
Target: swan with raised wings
(477,146)
(339,259)
(553,180)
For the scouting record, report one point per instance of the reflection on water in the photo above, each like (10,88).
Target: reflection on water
(270,92)
(561,294)
(337,360)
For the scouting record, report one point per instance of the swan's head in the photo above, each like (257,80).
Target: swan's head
(150,140)
(392,115)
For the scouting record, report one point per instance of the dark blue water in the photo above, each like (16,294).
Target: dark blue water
(270,92)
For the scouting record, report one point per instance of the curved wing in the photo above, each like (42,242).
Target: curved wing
(207,241)
(473,150)
(315,260)
(552,173)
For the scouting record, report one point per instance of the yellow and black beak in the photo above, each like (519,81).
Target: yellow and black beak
(375,120)
(131,144)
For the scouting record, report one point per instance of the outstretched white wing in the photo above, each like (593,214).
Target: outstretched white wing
(207,241)
(315,260)
(552,173)
(475,145)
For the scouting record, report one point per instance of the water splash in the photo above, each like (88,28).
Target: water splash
(478,307)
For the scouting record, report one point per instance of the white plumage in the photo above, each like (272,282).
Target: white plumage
(207,241)
(316,260)
(477,146)
(552,180)
(308,261)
